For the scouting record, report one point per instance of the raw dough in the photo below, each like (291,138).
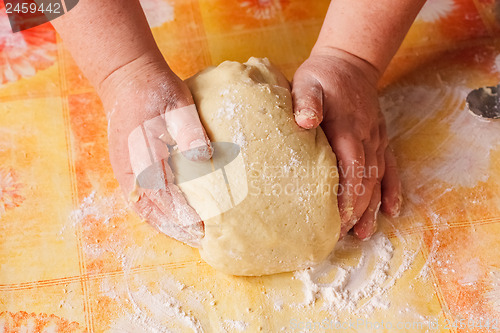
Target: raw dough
(285,214)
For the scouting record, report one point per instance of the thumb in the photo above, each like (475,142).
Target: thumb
(307,97)
(185,128)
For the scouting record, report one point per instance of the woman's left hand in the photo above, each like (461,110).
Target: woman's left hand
(338,90)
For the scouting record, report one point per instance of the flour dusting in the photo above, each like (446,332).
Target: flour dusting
(231,107)
(493,295)
(234,325)
(357,289)
(159,306)
(98,207)
(471,271)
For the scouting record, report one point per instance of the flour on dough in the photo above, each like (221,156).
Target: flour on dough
(286,217)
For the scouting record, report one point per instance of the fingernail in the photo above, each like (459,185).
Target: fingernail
(350,224)
(198,150)
(348,221)
(348,213)
(367,232)
(134,195)
(377,210)
(307,118)
(396,211)
(308,113)
(372,227)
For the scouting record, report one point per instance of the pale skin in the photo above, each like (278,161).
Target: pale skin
(335,88)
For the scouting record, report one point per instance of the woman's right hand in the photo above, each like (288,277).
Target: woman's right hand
(148,107)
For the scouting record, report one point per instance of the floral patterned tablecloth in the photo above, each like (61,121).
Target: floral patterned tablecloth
(74,257)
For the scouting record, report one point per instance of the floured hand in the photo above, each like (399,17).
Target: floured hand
(338,90)
(148,107)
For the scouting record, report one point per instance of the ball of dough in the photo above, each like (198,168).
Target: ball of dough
(276,209)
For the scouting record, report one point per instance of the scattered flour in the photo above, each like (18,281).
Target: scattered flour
(99,212)
(358,289)
(228,112)
(278,305)
(238,136)
(102,208)
(159,306)
(149,309)
(471,272)
(234,325)
(493,295)
(262,10)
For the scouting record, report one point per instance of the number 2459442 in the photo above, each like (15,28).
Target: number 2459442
(25,8)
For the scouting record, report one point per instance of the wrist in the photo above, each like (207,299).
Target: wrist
(371,72)
(145,65)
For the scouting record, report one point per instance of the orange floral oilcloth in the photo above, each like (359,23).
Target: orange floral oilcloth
(74,257)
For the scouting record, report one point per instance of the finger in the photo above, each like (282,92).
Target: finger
(307,97)
(147,150)
(121,153)
(351,156)
(391,186)
(370,173)
(168,208)
(160,202)
(367,224)
(168,211)
(185,128)
(173,204)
